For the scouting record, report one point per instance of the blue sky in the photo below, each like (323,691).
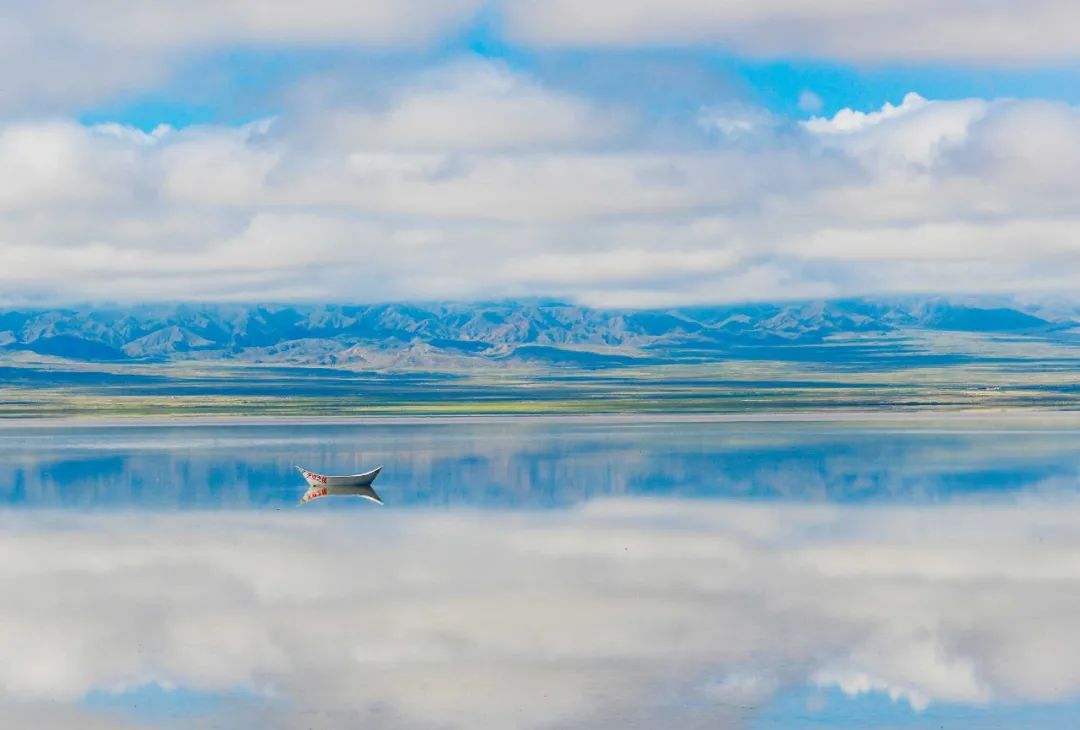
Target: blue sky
(236,85)
(816,708)
(630,154)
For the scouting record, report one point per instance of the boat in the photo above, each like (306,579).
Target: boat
(353,485)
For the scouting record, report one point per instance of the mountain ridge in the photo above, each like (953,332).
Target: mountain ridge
(469,335)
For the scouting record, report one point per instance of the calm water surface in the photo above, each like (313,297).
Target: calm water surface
(538,573)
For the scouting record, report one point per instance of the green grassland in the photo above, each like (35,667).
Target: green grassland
(201,390)
(525,359)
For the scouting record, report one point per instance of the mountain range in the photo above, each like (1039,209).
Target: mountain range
(454,336)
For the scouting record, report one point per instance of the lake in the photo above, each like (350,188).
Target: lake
(544,573)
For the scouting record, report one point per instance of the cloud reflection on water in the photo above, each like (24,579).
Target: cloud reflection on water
(668,613)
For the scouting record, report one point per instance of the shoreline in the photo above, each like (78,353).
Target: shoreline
(982,417)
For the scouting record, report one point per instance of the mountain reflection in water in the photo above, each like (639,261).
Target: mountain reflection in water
(530,462)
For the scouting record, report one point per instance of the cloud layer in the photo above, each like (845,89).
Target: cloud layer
(62,55)
(398,166)
(473,180)
(618,610)
(58,52)
(966,30)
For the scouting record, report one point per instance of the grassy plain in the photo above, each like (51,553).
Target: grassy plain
(199,390)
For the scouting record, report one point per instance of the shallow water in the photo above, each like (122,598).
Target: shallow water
(543,573)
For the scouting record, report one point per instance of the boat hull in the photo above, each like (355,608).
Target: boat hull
(353,480)
(353,485)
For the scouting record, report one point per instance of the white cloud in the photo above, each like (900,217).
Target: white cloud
(470,106)
(915,131)
(495,198)
(963,30)
(57,162)
(203,22)
(55,716)
(856,684)
(61,55)
(555,617)
(850,120)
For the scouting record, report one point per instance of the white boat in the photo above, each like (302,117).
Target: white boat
(353,485)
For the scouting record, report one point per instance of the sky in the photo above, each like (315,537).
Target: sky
(639,153)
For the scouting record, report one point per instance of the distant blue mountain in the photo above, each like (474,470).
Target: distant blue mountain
(71,347)
(475,335)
